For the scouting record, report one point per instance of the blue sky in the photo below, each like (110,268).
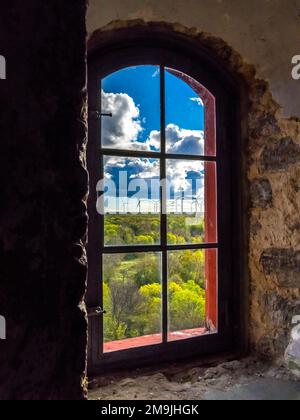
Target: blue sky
(181,110)
(142,83)
(133,97)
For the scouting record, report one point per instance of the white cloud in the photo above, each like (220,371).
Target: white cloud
(135,167)
(154,139)
(179,140)
(184,141)
(198,101)
(156,73)
(144,168)
(178,174)
(123,131)
(114,161)
(184,176)
(124,128)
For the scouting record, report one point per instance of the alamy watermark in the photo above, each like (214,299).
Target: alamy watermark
(125,195)
(2,67)
(296,67)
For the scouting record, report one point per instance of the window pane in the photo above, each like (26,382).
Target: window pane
(191,202)
(132,96)
(190,121)
(131,201)
(132,296)
(192,290)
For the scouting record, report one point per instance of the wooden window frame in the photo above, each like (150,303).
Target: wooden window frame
(126,49)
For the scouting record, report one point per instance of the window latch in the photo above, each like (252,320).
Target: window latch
(97,115)
(95,311)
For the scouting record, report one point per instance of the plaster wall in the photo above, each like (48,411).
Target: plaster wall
(265,32)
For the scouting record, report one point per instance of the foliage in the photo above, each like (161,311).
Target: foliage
(132,291)
(144,229)
(187,306)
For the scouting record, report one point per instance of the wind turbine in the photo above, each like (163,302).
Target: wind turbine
(139,206)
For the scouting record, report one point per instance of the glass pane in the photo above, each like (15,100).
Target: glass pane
(190,122)
(191,202)
(132,96)
(132,296)
(131,201)
(192,291)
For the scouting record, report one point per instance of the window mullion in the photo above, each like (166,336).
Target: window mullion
(163,206)
(101,225)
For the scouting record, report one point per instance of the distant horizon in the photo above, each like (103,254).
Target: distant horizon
(135,206)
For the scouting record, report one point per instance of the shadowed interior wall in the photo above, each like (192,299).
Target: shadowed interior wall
(43,189)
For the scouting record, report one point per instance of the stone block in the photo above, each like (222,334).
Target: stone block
(284,265)
(261,193)
(280,155)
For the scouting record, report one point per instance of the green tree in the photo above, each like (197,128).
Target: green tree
(187,306)
(149,320)
(144,240)
(113,330)
(147,270)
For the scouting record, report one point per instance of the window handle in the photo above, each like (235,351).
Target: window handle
(97,115)
(96,311)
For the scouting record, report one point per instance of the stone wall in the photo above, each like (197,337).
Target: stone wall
(275,226)
(43,188)
(273,188)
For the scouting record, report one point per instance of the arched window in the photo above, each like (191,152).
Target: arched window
(161,270)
